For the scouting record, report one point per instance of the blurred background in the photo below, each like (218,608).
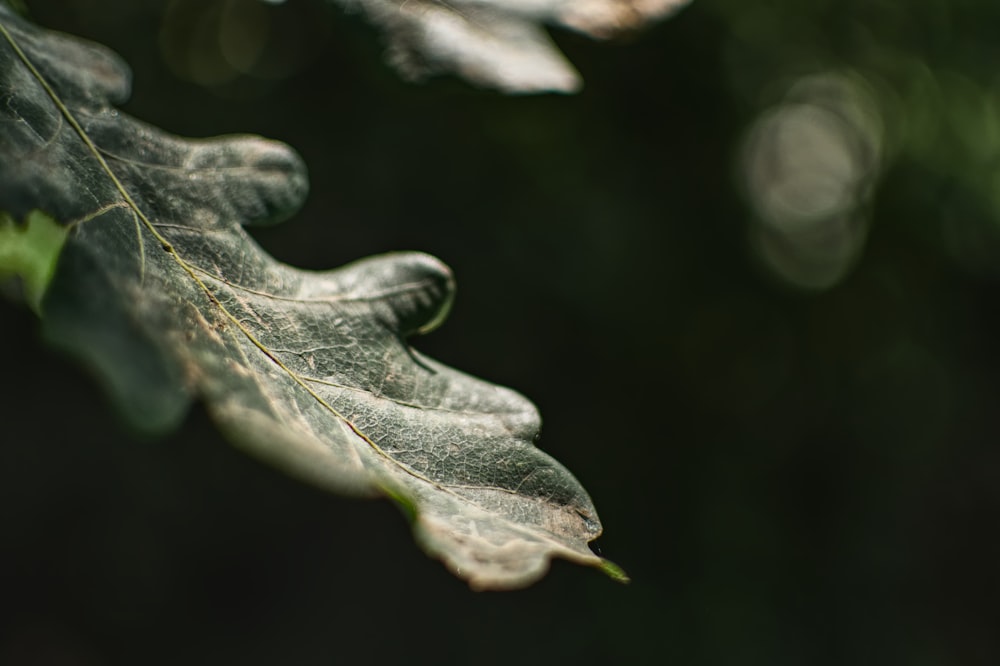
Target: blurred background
(750,275)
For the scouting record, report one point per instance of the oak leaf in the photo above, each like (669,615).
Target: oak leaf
(160,290)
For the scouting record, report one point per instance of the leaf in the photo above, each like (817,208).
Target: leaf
(500,44)
(31,252)
(160,290)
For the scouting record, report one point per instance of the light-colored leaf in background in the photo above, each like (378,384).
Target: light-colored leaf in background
(500,44)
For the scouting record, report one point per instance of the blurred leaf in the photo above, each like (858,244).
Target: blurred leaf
(161,291)
(500,44)
(30,252)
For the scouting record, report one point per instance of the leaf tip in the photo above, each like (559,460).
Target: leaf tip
(614,572)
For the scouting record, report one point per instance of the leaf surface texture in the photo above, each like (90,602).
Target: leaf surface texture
(161,291)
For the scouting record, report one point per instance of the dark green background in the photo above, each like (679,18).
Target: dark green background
(790,476)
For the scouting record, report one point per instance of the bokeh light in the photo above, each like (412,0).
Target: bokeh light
(809,165)
(237,47)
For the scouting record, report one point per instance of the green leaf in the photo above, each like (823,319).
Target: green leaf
(30,252)
(161,291)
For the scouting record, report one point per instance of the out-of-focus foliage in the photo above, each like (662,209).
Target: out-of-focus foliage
(500,44)
(847,91)
(840,93)
(497,44)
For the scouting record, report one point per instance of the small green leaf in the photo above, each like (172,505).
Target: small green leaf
(30,251)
